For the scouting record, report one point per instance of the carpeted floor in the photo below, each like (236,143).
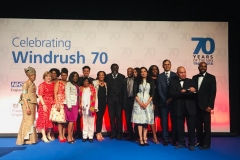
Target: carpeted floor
(222,148)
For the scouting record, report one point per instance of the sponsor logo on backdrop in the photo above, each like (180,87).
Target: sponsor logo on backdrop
(16,110)
(204,50)
(16,86)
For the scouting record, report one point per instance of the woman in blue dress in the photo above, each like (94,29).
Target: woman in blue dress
(143,112)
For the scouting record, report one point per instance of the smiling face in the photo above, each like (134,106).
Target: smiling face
(54,75)
(86,72)
(48,78)
(64,76)
(167,65)
(101,76)
(181,72)
(154,71)
(144,73)
(202,67)
(114,69)
(75,78)
(130,72)
(86,83)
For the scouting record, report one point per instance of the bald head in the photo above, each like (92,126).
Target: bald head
(181,72)
(130,72)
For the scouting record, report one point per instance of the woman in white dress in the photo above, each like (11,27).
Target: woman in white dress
(143,112)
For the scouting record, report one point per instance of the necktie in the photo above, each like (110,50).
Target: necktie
(129,88)
(201,75)
(167,78)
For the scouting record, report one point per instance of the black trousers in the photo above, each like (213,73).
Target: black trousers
(128,115)
(115,114)
(203,127)
(100,113)
(79,130)
(191,128)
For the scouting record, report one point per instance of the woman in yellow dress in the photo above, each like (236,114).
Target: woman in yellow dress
(27,133)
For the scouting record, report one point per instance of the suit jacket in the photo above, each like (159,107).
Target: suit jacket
(125,92)
(182,100)
(207,92)
(115,86)
(163,87)
(80,80)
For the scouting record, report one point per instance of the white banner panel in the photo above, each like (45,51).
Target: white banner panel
(45,44)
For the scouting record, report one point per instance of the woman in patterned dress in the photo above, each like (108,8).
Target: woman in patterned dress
(46,97)
(59,95)
(143,113)
(27,133)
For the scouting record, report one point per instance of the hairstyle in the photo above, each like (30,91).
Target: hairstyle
(148,78)
(46,73)
(86,67)
(86,78)
(105,75)
(28,71)
(64,70)
(70,78)
(114,64)
(56,70)
(151,68)
(166,61)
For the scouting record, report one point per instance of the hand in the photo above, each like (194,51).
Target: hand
(44,108)
(70,109)
(58,107)
(212,111)
(142,105)
(208,109)
(168,101)
(183,90)
(192,89)
(28,111)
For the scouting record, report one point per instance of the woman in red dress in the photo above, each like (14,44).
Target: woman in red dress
(59,95)
(46,97)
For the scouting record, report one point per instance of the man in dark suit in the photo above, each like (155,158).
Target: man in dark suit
(86,72)
(165,102)
(183,91)
(128,101)
(206,86)
(115,100)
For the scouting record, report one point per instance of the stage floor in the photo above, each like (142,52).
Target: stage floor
(222,148)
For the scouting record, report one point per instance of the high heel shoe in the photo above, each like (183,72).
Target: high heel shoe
(64,140)
(44,139)
(155,140)
(99,137)
(145,143)
(141,144)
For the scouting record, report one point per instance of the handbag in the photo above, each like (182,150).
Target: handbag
(57,116)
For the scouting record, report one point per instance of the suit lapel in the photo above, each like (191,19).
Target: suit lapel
(205,78)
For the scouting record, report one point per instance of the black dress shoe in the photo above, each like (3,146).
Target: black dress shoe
(112,137)
(198,144)
(191,148)
(174,143)
(165,143)
(91,140)
(204,147)
(179,146)
(84,140)
(119,137)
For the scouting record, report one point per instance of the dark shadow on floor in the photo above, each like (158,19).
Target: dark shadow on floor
(6,150)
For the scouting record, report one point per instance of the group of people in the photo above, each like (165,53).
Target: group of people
(143,94)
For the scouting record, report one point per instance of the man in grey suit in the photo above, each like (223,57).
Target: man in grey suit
(164,80)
